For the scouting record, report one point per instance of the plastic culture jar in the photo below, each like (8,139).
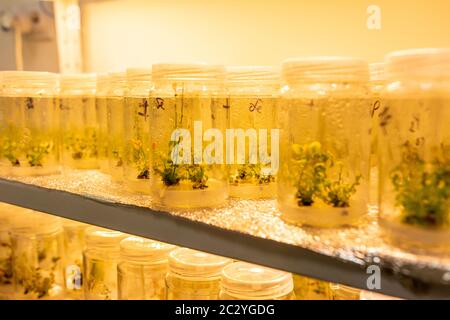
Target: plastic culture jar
(245,281)
(252,98)
(79,127)
(28,124)
(37,248)
(102,89)
(325,141)
(194,275)
(100,259)
(341,292)
(414,153)
(311,289)
(137,130)
(187,101)
(74,243)
(142,269)
(115,115)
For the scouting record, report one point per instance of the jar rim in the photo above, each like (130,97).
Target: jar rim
(105,238)
(252,74)
(144,250)
(325,69)
(187,72)
(78,81)
(31,79)
(377,71)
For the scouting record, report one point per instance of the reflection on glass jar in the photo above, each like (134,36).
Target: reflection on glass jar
(142,269)
(137,130)
(341,292)
(28,124)
(325,141)
(102,89)
(37,247)
(252,94)
(78,118)
(187,101)
(414,150)
(245,281)
(194,275)
(73,257)
(100,259)
(311,289)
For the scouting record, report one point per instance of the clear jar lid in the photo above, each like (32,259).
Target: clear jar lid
(325,69)
(29,80)
(102,84)
(7,214)
(97,237)
(377,72)
(144,250)
(196,264)
(248,281)
(117,81)
(196,72)
(427,64)
(33,222)
(264,75)
(78,83)
(139,75)
(370,295)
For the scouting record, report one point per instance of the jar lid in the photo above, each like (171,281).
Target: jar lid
(29,79)
(188,72)
(102,84)
(377,71)
(370,295)
(257,74)
(78,81)
(245,280)
(105,238)
(144,250)
(139,74)
(8,213)
(425,63)
(32,222)
(192,264)
(325,69)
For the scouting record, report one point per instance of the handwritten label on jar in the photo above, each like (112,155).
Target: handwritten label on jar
(385,118)
(160,103)
(255,106)
(144,108)
(30,103)
(376,106)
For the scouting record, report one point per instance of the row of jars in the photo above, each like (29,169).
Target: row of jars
(44,257)
(163,132)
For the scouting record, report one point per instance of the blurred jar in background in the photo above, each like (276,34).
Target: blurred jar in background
(37,249)
(115,113)
(100,259)
(142,269)
(414,150)
(311,289)
(186,101)
(341,292)
(78,118)
(137,130)
(194,275)
(370,295)
(325,141)
(252,94)
(102,89)
(74,233)
(245,281)
(28,124)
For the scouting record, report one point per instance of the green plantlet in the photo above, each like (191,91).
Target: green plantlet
(36,153)
(82,146)
(250,173)
(337,193)
(198,177)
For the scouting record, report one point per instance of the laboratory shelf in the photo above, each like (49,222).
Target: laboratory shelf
(245,230)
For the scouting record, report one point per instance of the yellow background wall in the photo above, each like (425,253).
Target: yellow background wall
(130,33)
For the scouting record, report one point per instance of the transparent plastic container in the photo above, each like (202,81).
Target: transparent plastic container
(78,117)
(245,281)
(101,93)
(37,248)
(74,233)
(370,295)
(100,259)
(29,124)
(142,269)
(323,179)
(252,95)
(414,152)
(115,124)
(194,275)
(137,130)
(311,289)
(341,292)
(185,100)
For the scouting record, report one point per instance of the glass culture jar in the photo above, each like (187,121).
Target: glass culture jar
(102,89)
(79,127)
(311,289)
(252,94)
(137,149)
(325,141)
(29,124)
(370,295)
(245,281)
(414,150)
(100,259)
(187,170)
(37,248)
(115,118)
(142,269)
(74,233)
(341,292)
(194,275)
